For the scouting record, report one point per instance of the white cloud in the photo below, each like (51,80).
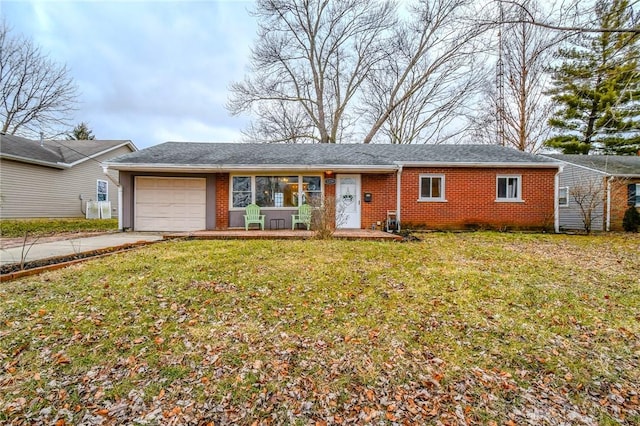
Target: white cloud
(153,70)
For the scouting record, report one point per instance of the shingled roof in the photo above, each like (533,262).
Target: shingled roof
(58,154)
(614,165)
(229,156)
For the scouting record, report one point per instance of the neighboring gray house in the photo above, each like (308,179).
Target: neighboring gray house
(56,178)
(597,188)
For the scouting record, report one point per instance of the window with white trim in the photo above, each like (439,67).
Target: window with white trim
(563,196)
(431,188)
(241,191)
(509,188)
(102,190)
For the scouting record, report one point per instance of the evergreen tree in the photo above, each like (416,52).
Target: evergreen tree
(81,133)
(597,88)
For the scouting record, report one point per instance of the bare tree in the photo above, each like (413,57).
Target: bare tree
(36,94)
(589,196)
(568,17)
(516,110)
(429,71)
(311,57)
(324,71)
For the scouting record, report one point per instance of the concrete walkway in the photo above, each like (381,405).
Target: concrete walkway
(72,246)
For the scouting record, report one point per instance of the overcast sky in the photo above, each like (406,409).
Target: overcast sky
(149,70)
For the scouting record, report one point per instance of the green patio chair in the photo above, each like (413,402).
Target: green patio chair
(252,215)
(303,217)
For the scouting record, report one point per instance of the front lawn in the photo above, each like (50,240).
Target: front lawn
(12,228)
(483,328)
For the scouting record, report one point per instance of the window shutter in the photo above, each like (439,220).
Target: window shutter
(631,194)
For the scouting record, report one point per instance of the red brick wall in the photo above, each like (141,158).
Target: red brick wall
(619,201)
(383,198)
(470,195)
(471,199)
(222,201)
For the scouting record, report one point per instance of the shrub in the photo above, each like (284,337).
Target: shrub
(325,218)
(631,220)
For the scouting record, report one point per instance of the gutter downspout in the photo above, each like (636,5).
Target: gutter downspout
(608,218)
(105,171)
(398,193)
(556,202)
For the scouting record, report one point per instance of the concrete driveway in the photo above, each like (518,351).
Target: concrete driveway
(37,251)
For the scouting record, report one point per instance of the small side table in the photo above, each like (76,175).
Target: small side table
(276,223)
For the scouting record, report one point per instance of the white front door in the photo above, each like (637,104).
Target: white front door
(348,201)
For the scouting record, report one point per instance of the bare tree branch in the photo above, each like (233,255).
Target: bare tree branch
(529,17)
(36,94)
(516,111)
(312,55)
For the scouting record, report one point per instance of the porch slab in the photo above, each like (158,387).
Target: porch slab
(284,234)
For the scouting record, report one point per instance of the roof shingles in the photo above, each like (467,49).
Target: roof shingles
(184,154)
(54,153)
(616,165)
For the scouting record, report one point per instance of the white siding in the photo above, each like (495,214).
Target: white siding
(28,190)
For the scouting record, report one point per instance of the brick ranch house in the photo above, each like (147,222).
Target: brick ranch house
(184,186)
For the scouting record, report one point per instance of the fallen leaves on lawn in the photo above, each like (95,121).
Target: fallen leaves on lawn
(234,353)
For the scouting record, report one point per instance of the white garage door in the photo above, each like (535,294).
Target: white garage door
(170,204)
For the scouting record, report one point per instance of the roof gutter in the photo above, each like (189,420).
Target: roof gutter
(398,194)
(88,157)
(608,218)
(246,167)
(478,164)
(36,162)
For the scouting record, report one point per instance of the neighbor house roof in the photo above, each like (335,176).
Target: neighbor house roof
(59,154)
(614,165)
(247,156)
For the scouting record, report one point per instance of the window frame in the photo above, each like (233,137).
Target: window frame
(565,204)
(300,183)
(232,192)
(106,189)
(507,199)
(431,176)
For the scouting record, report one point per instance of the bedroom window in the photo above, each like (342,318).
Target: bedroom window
(431,188)
(509,188)
(563,196)
(102,190)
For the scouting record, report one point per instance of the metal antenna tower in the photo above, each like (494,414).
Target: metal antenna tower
(500,84)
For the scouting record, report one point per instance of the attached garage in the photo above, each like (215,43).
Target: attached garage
(170,203)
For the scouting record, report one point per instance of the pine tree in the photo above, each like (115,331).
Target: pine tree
(597,88)
(81,133)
